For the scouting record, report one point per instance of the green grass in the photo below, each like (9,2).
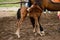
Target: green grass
(9,0)
(10,5)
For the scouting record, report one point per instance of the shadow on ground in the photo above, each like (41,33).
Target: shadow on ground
(49,22)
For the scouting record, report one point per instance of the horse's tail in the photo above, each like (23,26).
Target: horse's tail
(18,14)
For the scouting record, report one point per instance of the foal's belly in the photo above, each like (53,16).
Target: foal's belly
(34,14)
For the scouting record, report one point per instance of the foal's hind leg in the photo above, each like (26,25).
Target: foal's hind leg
(17,23)
(23,13)
(18,29)
(18,16)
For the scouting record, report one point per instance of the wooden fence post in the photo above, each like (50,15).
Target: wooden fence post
(21,3)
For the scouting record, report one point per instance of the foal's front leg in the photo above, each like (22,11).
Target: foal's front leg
(40,28)
(37,26)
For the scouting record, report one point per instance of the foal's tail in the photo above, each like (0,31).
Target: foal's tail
(18,14)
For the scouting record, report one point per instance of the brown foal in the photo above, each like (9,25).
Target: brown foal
(34,12)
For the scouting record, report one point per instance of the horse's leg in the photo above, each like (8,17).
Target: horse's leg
(23,15)
(41,28)
(33,23)
(18,16)
(19,25)
(37,25)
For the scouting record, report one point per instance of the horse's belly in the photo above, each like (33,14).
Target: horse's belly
(53,6)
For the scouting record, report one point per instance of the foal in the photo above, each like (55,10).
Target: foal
(34,14)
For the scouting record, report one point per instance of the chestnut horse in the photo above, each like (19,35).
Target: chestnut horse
(34,15)
(56,1)
(48,4)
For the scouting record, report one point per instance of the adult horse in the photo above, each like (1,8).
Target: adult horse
(48,4)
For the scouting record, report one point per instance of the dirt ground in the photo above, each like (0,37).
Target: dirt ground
(49,22)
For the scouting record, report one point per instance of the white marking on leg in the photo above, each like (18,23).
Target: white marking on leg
(28,9)
(17,33)
(42,33)
(32,5)
(34,30)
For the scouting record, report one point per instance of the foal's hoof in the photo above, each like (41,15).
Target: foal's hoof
(34,31)
(42,33)
(17,35)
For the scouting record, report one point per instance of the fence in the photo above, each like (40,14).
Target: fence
(21,3)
